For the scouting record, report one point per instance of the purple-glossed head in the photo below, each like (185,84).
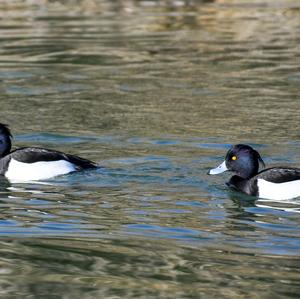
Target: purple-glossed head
(5,140)
(241,159)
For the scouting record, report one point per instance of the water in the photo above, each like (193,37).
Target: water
(156,92)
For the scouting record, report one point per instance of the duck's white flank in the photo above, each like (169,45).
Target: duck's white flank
(280,191)
(21,172)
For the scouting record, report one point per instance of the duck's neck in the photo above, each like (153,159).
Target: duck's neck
(236,182)
(248,170)
(247,186)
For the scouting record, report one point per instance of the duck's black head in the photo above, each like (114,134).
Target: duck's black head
(241,159)
(5,140)
(244,160)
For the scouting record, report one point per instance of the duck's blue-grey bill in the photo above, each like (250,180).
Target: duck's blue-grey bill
(221,168)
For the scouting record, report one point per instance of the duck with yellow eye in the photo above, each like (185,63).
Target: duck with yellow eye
(277,183)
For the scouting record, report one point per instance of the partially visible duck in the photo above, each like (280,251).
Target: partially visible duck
(278,183)
(34,163)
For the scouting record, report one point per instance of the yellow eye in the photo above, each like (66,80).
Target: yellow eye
(233,158)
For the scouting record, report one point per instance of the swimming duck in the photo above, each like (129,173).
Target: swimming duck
(34,163)
(279,183)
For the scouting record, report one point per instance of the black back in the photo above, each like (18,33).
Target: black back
(279,174)
(36,154)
